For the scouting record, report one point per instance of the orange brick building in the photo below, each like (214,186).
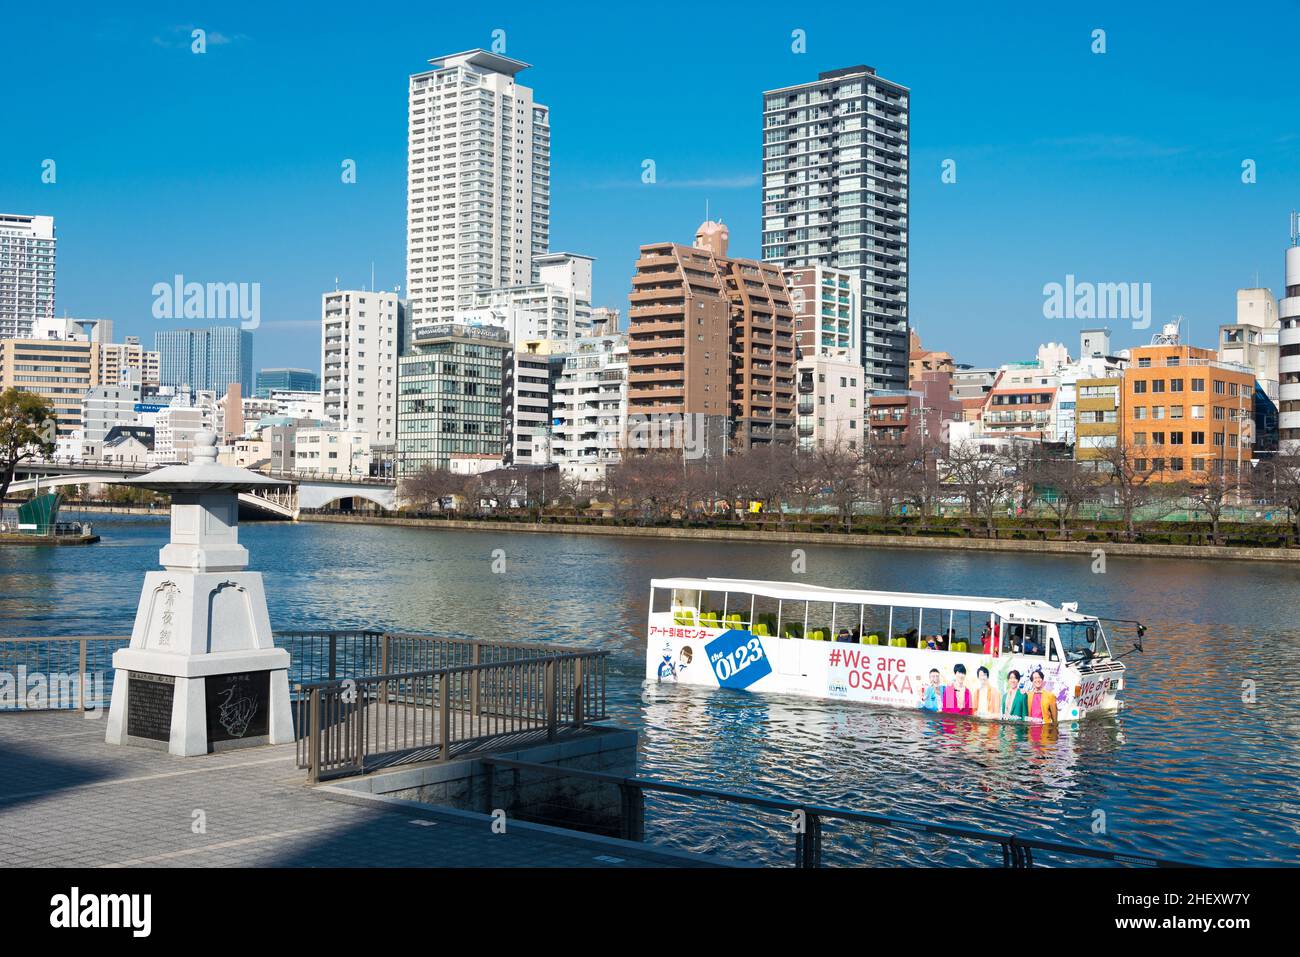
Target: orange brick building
(1184,413)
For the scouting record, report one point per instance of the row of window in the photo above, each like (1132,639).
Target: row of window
(1176,385)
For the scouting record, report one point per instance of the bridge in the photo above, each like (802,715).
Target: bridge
(308,490)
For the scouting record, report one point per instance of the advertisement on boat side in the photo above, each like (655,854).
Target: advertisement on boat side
(953,682)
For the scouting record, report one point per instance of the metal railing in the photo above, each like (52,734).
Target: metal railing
(67,664)
(74,672)
(497,693)
(805,819)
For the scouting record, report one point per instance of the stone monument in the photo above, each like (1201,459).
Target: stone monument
(202,672)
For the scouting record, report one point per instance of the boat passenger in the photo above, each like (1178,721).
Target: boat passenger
(987,702)
(1015,704)
(1032,647)
(1042,703)
(932,693)
(957,697)
(910,636)
(986,639)
(844,635)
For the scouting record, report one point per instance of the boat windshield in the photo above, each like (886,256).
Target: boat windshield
(1083,640)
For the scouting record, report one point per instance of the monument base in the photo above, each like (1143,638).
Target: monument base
(197,704)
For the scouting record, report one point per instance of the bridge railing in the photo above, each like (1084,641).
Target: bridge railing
(289,475)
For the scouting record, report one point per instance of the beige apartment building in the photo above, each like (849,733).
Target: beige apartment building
(116,358)
(58,370)
(712,335)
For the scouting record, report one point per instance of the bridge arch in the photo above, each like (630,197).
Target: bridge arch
(323,494)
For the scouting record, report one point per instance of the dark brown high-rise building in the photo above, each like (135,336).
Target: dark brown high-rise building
(712,335)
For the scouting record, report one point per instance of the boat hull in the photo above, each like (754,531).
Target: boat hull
(871,674)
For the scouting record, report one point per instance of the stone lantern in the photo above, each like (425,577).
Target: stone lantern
(202,672)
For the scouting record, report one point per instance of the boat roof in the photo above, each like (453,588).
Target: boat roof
(798,591)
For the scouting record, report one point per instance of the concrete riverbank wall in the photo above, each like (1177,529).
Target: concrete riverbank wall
(1088,549)
(523,794)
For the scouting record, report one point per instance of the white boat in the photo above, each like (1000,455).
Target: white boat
(888,648)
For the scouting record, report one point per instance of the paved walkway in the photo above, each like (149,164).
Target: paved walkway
(67,799)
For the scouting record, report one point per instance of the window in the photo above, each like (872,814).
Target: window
(1198,438)
(1175,438)
(1139,387)
(1157,385)
(1139,412)
(1157,438)
(1175,412)
(1157,412)
(1175,385)
(1198,385)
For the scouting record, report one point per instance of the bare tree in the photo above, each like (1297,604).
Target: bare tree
(1212,494)
(1132,479)
(428,488)
(982,478)
(1278,481)
(1070,484)
(886,470)
(839,470)
(805,480)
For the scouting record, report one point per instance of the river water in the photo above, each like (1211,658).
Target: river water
(1189,770)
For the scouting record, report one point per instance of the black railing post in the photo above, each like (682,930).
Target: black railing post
(808,852)
(314,738)
(476,658)
(578,694)
(549,693)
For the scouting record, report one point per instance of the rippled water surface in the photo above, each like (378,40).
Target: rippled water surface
(1189,770)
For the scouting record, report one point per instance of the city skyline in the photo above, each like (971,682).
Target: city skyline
(1073,175)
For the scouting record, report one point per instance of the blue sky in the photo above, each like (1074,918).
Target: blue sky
(1117,167)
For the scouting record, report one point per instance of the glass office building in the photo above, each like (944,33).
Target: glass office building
(286,380)
(205,358)
(449,395)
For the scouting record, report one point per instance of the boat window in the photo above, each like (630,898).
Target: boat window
(765,614)
(819,620)
(875,621)
(686,604)
(1024,638)
(661,600)
(1082,640)
(738,609)
(711,609)
(793,614)
(847,622)
(907,624)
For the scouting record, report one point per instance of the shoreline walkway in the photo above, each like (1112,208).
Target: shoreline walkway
(67,799)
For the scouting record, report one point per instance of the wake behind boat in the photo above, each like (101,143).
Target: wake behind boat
(996,658)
